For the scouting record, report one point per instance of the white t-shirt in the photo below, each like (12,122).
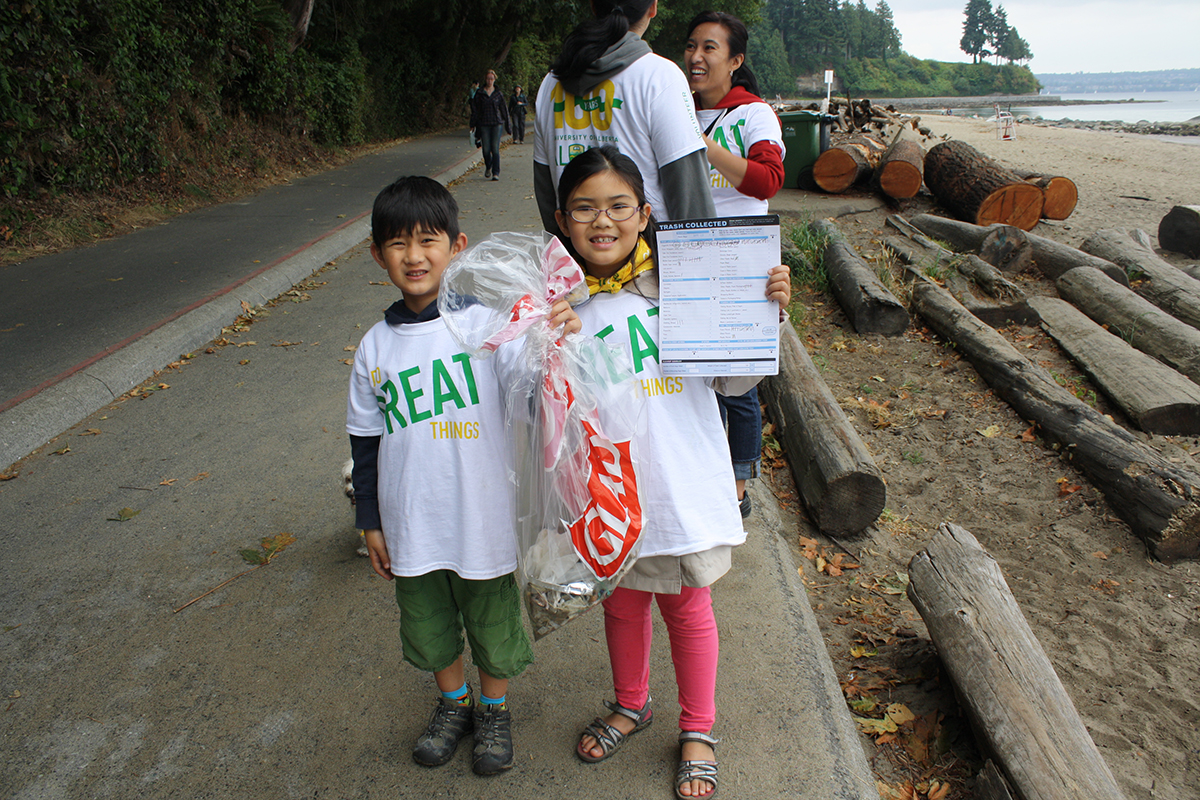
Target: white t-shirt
(689,497)
(646,110)
(737,130)
(444,496)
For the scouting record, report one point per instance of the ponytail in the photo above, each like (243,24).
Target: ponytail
(592,38)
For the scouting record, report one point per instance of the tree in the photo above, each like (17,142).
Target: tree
(976,26)
(768,59)
(889,37)
(998,32)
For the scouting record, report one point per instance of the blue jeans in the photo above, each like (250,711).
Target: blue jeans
(490,136)
(743,416)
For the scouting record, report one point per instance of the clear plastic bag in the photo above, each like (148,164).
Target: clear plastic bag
(574,411)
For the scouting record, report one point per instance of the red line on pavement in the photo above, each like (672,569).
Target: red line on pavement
(130,340)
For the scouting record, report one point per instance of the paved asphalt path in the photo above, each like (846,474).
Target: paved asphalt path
(61,314)
(287,682)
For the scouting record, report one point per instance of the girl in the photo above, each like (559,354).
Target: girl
(489,117)
(606,86)
(691,517)
(745,149)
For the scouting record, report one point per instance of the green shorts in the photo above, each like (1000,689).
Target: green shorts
(435,609)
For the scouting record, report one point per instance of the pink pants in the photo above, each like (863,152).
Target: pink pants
(694,649)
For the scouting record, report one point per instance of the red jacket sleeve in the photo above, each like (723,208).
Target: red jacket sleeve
(764,173)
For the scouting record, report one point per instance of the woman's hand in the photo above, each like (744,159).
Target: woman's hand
(377,548)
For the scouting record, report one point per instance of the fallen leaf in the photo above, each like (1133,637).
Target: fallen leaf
(244,362)
(124,515)
(875,727)
(990,432)
(858,651)
(168,482)
(8,476)
(199,477)
(286,344)
(1100,554)
(353,348)
(1029,436)
(900,714)
(91,432)
(348,361)
(61,451)
(245,307)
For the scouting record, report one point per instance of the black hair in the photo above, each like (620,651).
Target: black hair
(592,38)
(413,202)
(606,158)
(738,39)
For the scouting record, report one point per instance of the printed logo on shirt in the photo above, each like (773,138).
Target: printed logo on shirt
(641,343)
(403,403)
(728,137)
(454,430)
(593,111)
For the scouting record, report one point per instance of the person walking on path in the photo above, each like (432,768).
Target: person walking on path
(607,87)
(489,117)
(691,521)
(745,149)
(518,104)
(470,109)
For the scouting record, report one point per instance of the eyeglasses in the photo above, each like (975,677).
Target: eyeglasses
(618,213)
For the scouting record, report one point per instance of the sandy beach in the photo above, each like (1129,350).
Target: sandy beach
(1120,628)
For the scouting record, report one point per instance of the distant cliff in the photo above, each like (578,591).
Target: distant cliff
(1166,80)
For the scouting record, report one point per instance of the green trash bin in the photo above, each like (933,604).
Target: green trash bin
(802,143)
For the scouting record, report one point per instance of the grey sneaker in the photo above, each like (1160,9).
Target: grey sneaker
(744,506)
(448,725)
(493,739)
(487,173)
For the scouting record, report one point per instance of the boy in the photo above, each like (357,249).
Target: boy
(426,425)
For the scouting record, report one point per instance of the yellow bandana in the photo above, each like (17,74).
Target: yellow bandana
(642,260)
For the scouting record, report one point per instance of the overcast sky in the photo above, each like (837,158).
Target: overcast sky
(1067,35)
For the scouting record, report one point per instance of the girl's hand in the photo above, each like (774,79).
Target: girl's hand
(562,314)
(779,285)
(377,548)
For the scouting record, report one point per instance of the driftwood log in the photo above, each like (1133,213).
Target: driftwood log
(840,483)
(1134,318)
(900,170)
(1007,248)
(985,275)
(979,190)
(1159,501)
(990,784)
(1003,676)
(1157,398)
(1051,257)
(1059,194)
(995,314)
(846,163)
(1155,279)
(868,304)
(1179,231)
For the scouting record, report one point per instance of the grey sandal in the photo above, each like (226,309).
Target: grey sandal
(608,737)
(696,770)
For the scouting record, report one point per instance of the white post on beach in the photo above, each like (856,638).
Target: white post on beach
(828,85)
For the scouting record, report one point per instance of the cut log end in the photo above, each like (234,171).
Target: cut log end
(835,171)
(1061,196)
(851,503)
(1180,539)
(1018,204)
(899,179)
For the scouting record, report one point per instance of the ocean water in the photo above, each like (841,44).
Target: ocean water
(1150,106)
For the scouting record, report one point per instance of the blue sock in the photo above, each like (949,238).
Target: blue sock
(461,694)
(493,702)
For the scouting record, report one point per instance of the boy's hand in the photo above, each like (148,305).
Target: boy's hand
(562,314)
(377,548)
(779,286)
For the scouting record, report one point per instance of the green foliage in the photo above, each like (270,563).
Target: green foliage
(768,58)
(905,76)
(806,257)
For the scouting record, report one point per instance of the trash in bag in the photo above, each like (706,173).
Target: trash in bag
(573,411)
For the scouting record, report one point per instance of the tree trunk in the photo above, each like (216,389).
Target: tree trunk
(1007,248)
(300,12)
(1159,501)
(1059,194)
(986,276)
(900,170)
(1159,281)
(990,784)
(1002,674)
(1051,257)
(1157,398)
(868,304)
(979,190)
(1179,231)
(1135,319)
(838,480)
(920,260)
(845,164)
